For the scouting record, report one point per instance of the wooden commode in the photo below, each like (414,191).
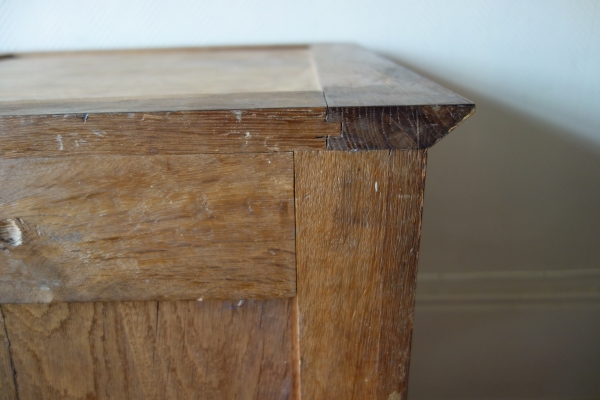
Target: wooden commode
(212,223)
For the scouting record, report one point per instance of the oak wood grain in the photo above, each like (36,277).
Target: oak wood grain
(84,350)
(186,132)
(149,350)
(381,104)
(224,350)
(7,375)
(107,228)
(358,226)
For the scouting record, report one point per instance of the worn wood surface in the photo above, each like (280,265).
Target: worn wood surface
(82,351)
(197,102)
(225,350)
(178,101)
(112,228)
(135,75)
(187,132)
(7,376)
(148,350)
(381,104)
(358,227)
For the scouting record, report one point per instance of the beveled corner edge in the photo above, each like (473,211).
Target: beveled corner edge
(395,127)
(381,104)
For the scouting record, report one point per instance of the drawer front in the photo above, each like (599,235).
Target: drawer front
(106,228)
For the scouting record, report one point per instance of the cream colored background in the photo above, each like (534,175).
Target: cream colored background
(508,303)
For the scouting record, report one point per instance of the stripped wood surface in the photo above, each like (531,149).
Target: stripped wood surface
(358,226)
(134,75)
(160,104)
(187,132)
(148,350)
(112,228)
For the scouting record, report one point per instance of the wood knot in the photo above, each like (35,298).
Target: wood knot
(10,233)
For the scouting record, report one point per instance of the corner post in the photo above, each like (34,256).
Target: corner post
(358,221)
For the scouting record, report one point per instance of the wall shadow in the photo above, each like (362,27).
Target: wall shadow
(507,192)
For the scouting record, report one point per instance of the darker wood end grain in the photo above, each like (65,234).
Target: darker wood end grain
(381,104)
(395,127)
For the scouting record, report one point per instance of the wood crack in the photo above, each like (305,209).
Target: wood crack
(155,332)
(10,354)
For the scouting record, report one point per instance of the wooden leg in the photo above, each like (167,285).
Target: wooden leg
(358,219)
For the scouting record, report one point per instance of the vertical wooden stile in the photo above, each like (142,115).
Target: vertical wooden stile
(358,219)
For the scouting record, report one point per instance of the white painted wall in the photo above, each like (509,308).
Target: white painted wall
(540,56)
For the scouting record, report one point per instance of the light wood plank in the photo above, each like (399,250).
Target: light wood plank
(358,226)
(82,351)
(224,350)
(147,228)
(155,73)
(196,102)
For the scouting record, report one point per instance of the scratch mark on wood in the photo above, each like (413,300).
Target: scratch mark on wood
(238,115)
